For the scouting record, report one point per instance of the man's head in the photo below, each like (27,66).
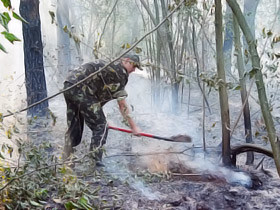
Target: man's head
(131,61)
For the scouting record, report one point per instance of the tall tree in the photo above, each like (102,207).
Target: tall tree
(33,57)
(224,106)
(271,132)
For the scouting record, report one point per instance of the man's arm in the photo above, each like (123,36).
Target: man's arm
(124,109)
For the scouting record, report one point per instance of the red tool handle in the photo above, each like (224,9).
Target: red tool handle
(141,134)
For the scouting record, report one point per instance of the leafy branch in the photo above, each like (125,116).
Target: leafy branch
(5,19)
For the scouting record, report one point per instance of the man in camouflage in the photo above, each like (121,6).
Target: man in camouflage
(85,101)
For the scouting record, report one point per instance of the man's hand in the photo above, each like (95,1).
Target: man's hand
(125,113)
(136,131)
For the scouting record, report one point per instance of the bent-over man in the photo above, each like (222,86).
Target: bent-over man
(85,101)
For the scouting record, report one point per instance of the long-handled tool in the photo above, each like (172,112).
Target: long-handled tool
(178,138)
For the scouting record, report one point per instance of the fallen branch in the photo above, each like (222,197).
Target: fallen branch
(150,153)
(248,148)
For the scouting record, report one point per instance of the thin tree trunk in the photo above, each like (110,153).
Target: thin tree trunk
(198,67)
(273,138)
(243,90)
(63,40)
(157,61)
(113,34)
(222,88)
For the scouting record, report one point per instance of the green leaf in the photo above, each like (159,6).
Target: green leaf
(237,87)
(4,20)
(11,37)
(33,203)
(71,205)
(4,50)
(7,3)
(63,170)
(84,202)
(16,16)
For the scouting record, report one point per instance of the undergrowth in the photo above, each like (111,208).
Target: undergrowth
(42,180)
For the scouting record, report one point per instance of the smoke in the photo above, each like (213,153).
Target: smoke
(120,171)
(208,165)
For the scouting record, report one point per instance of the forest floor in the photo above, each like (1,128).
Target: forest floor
(142,173)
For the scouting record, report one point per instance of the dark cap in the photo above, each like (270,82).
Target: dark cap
(135,58)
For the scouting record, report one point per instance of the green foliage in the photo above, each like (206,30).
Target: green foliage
(10,37)
(7,4)
(42,180)
(18,17)
(2,48)
(45,181)
(5,18)
(82,203)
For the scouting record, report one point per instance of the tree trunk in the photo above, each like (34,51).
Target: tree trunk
(227,48)
(275,143)
(175,84)
(250,8)
(222,87)
(63,40)
(35,81)
(243,91)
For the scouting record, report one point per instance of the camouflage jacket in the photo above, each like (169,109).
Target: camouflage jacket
(104,86)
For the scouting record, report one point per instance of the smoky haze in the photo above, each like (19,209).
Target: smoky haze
(87,24)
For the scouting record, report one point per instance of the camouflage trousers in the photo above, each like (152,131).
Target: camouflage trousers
(82,107)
